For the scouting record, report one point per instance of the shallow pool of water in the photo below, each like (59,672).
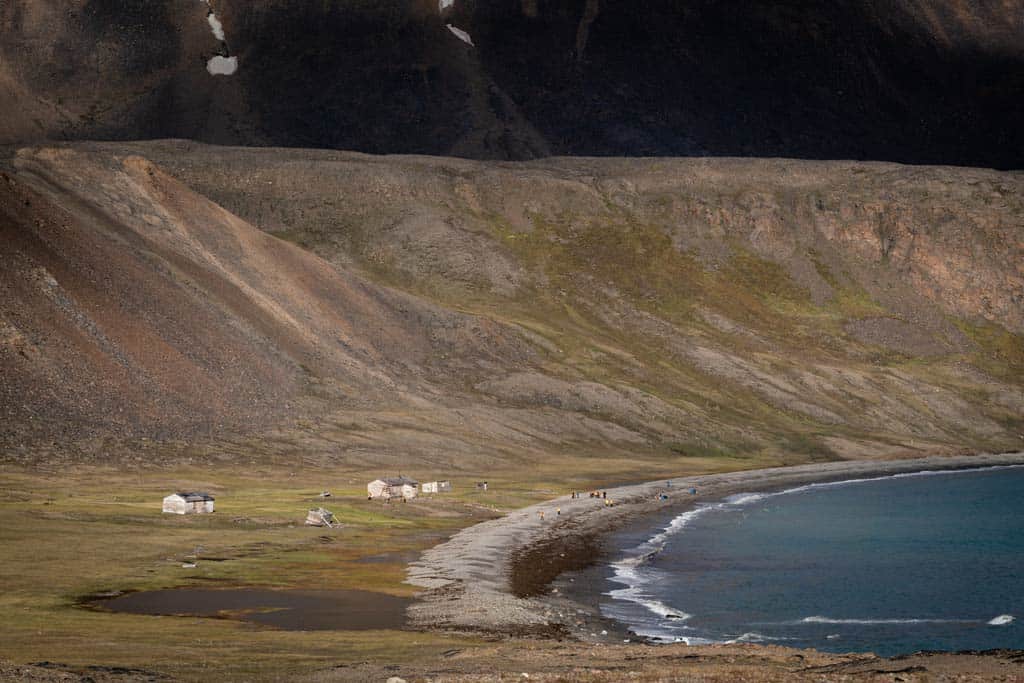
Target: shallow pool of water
(292,610)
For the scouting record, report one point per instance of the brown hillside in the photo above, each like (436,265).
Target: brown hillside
(424,310)
(133,306)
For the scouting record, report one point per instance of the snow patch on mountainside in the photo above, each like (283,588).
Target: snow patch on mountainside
(461,35)
(223,64)
(215,26)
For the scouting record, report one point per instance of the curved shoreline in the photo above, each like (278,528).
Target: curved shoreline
(495,577)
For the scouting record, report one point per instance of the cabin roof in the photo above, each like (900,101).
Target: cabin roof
(194,496)
(400,481)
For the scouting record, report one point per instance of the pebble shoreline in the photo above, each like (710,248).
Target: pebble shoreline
(468,580)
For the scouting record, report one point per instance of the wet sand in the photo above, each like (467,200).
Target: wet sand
(290,610)
(496,577)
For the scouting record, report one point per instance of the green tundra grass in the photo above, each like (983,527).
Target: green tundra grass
(67,539)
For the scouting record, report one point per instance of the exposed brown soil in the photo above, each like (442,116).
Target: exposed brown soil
(57,671)
(724,664)
(568,662)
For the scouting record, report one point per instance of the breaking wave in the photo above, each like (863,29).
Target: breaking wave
(1001,620)
(829,620)
(754,637)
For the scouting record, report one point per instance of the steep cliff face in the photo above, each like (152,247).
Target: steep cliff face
(902,80)
(453,311)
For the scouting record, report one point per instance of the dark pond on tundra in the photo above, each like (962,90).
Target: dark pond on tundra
(291,610)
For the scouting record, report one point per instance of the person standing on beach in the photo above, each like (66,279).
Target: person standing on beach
(541,513)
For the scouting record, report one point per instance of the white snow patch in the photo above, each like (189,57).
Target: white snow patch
(222,66)
(219,65)
(461,35)
(216,26)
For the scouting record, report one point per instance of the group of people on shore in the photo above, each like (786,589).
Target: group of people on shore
(592,494)
(602,495)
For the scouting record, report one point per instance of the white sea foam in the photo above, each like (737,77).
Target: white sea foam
(746,498)
(830,620)
(660,637)
(663,610)
(754,637)
(1001,620)
(678,523)
(654,606)
(628,570)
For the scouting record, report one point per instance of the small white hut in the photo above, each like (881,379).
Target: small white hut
(393,487)
(192,502)
(437,487)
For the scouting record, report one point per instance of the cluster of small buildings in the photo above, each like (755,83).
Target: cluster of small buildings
(400,487)
(403,487)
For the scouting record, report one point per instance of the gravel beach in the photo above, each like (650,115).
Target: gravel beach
(496,577)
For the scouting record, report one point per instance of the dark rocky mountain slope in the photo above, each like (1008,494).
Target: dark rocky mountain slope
(902,80)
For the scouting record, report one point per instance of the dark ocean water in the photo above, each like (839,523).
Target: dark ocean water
(933,561)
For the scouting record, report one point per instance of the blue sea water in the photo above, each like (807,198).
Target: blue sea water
(933,561)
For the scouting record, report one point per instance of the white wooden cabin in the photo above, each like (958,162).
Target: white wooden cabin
(188,503)
(437,487)
(393,487)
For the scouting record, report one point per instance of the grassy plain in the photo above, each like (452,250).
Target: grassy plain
(99,530)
